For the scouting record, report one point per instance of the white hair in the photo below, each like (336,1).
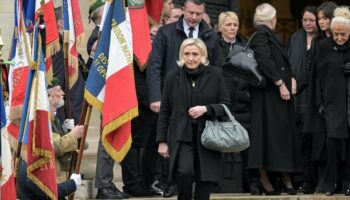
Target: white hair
(264,13)
(341,16)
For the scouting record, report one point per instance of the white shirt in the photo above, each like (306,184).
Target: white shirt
(187,29)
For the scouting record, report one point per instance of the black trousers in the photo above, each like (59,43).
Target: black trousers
(309,169)
(141,165)
(188,171)
(333,160)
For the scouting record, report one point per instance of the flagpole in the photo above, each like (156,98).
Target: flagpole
(88,109)
(66,70)
(73,162)
(66,80)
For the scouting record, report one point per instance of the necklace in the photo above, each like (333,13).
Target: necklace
(193,82)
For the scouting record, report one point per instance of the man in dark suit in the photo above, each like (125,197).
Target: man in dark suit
(165,52)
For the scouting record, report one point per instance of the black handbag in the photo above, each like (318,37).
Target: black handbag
(242,61)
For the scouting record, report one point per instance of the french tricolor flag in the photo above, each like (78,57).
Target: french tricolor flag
(7,182)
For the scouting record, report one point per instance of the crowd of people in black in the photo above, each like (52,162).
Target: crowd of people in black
(297,123)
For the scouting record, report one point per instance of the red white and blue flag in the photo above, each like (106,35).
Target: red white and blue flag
(95,84)
(18,73)
(114,81)
(7,181)
(35,129)
(73,35)
(31,9)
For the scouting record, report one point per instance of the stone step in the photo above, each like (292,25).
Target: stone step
(87,191)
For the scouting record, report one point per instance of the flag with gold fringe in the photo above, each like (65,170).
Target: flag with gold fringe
(114,62)
(141,38)
(73,35)
(7,180)
(35,129)
(120,103)
(95,84)
(18,72)
(31,10)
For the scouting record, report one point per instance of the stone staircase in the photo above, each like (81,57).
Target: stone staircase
(88,166)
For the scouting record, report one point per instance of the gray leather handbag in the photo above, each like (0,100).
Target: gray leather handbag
(225,136)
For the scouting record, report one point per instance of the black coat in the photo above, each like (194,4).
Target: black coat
(330,60)
(300,61)
(173,118)
(273,130)
(143,127)
(313,120)
(237,87)
(165,53)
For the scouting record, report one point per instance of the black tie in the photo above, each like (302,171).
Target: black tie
(190,35)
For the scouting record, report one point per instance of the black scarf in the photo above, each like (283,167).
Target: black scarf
(189,96)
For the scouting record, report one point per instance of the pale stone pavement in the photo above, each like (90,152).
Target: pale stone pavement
(87,190)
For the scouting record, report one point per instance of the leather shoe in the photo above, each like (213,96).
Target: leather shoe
(306,188)
(169,191)
(110,193)
(140,191)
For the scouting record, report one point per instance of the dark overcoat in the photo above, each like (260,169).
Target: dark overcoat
(237,87)
(165,53)
(143,127)
(173,118)
(273,130)
(330,60)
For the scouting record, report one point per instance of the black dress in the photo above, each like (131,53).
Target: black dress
(273,120)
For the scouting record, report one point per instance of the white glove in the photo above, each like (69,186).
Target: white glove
(76,178)
(68,124)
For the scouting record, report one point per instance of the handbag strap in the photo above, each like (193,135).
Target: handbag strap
(250,39)
(232,118)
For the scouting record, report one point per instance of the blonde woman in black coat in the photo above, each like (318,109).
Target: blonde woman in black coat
(273,118)
(192,94)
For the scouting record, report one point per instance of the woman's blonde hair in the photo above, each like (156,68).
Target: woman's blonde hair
(229,14)
(341,16)
(264,13)
(193,42)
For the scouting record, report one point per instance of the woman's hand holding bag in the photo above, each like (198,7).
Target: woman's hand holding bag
(225,136)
